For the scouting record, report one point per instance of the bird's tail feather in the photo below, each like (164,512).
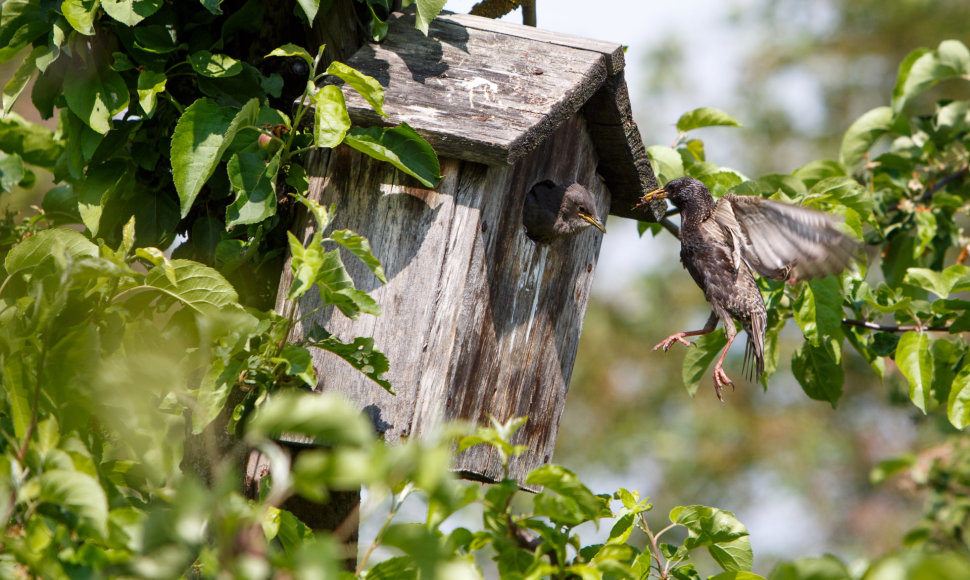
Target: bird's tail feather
(754,351)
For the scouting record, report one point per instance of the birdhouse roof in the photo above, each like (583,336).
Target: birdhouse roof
(490,91)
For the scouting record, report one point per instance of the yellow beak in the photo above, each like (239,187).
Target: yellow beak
(593,221)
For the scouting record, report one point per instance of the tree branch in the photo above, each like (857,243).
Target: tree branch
(901,328)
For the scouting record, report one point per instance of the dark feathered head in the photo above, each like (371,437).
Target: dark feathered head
(689,195)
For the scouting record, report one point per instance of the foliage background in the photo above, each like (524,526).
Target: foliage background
(773,458)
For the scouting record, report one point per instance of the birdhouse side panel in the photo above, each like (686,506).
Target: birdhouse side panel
(406,225)
(517,340)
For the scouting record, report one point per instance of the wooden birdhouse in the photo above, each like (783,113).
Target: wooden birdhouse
(478,320)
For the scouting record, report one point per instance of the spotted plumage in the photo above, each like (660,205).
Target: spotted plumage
(722,243)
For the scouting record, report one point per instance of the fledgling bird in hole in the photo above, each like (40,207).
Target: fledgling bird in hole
(554,211)
(722,242)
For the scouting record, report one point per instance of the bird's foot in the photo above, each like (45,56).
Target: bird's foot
(720,380)
(670,340)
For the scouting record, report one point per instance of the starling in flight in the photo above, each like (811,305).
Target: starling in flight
(722,242)
(555,211)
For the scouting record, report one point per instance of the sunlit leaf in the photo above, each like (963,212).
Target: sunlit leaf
(427,11)
(214,65)
(361,354)
(202,134)
(130,12)
(366,86)
(913,360)
(400,146)
(150,84)
(79,493)
(861,135)
(331,121)
(325,417)
(725,538)
(705,117)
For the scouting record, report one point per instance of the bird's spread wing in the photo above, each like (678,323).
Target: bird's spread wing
(782,241)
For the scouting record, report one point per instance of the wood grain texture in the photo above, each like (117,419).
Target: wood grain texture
(624,164)
(478,320)
(490,92)
(476,94)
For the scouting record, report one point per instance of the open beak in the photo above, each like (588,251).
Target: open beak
(595,222)
(659,193)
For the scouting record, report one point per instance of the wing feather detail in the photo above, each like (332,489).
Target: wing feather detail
(782,241)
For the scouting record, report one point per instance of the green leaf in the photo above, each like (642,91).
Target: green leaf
(20,78)
(958,403)
(100,184)
(366,86)
(361,354)
(150,84)
(130,12)
(46,244)
(667,164)
(12,171)
(214,391)
(913,360)
(705,117)
(954,55)
(202,134)
(818,312)
(326,417)
(956,278)
(400,146)
(846,191)
(922,69)
(80,14)
(565,500)
(290,49)
(19,379)
(21,23)
(337,288)
(725,538)
(196,286)
(819,374)
(699,357)
(827,567)
(35,144)
(360,247)
(79,493)
(298,362)
(428,10)
(736,575)
(310,9)
(254,181)
(95,94)
(214,65)
(330,117)
(861,135)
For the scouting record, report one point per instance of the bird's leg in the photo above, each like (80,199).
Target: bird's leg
(680,336)
(720,377)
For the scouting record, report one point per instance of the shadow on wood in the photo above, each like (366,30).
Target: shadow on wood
(478,320)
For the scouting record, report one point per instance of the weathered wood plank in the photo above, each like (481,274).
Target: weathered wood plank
(469,103)
(518,344)
(624,164)
(611,50)
(478,320)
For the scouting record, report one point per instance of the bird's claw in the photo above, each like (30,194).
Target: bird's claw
(670,340)
(720,380)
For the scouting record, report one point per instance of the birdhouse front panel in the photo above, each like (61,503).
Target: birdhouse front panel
(478,320)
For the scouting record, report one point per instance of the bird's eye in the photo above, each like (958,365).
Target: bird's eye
(582,209)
